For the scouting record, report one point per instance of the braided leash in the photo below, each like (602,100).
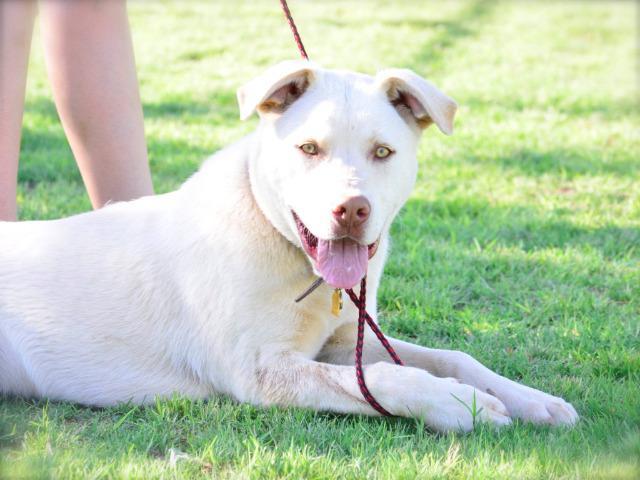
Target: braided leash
(294,29)
(360,303)
(364,317)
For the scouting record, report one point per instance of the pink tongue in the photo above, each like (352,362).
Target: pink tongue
(342,263)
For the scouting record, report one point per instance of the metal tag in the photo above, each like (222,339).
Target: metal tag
(336,302)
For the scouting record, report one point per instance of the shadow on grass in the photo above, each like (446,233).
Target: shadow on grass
(564,162)
(219,108)
(607,109)
(222,104)
(470,221)
(464,26)
(447,33)
(46,156)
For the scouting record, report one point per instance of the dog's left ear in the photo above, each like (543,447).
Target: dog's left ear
(276,89)
(417,100)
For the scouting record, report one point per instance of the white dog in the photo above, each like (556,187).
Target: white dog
(193,291)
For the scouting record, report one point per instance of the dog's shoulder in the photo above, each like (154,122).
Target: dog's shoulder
(218,197)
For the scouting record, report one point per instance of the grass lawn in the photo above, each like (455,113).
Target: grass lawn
(520,244)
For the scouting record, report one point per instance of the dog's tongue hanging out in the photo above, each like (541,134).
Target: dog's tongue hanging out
(342,263)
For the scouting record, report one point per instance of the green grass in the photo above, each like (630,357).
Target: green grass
(520,244)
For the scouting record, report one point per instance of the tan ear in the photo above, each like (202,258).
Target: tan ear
(275,89)
(417,99)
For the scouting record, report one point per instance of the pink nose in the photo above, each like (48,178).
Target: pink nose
(353,212)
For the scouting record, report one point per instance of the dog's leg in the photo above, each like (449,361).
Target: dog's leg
(521,401)
(403,391)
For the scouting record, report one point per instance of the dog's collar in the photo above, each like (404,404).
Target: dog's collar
(316,283)
(336,297)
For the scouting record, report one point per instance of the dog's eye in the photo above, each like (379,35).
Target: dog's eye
(309,148)
(382,151)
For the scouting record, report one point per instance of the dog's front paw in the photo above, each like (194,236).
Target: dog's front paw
(532,405)
(459,407)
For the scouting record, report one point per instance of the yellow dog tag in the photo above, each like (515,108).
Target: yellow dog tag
(336,302)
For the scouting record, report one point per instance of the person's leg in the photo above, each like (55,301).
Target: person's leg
(89,56)
(16,27)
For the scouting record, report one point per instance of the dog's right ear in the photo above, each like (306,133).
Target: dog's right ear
(276,89)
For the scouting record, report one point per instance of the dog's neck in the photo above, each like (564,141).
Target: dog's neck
(265,196)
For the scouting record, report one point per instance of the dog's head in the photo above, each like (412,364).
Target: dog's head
(337,156)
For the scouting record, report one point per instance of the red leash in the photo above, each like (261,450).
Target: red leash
(360,303)
(294,29)
(363,317)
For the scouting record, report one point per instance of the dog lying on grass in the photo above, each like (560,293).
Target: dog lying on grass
(192,291)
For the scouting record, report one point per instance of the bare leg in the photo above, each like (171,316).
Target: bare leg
(16,27)
(91,66)
(521,401)
(403,391)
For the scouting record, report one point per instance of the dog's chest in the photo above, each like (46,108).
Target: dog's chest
(316,322)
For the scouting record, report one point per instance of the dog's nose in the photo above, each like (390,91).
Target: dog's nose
(353,212)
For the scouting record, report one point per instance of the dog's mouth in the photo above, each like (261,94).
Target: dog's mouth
(341,262)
